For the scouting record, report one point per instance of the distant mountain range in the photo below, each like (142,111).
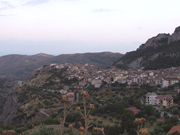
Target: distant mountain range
(19,67)
(161,51)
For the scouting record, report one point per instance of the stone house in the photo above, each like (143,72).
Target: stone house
(164,101)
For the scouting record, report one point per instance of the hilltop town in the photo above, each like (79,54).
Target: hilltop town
(88,73)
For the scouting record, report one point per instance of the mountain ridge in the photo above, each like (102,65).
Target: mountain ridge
(19,67)
(161,51)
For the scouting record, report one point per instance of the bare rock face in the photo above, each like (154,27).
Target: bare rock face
(136,63)
(9,109)
(160,39)
(153,43)
(9,106)
(175,36)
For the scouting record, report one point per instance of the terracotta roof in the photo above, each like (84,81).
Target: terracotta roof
(134,109)
(167,97)
(174,129)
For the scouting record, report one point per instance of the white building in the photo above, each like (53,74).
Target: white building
(97,85)
(95,81)
(63,91)
(151,98)
(169,81)
(165,83)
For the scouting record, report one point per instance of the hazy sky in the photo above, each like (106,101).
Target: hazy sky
(78,26)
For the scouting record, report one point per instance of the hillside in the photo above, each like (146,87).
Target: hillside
(39,99)
(103,59)
(161,51)
(19,67)
(41,92)
(8,99)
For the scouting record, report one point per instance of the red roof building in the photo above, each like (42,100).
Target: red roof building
(174,129)
(134,109)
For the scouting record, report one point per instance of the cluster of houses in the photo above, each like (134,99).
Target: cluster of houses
(88,73)
(159,100)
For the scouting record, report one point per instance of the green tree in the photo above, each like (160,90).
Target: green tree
(167,127)
(105,116)
(158,130)
(149,110)
(127,122)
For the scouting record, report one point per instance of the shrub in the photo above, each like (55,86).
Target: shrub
(105,116)
(29,125)
(21,129)
(99,114)
(1,130)
(159,123)
(100,122)
(118,117)
(110,119)
(152,118)
(50,120)
(94,119)
(175,111)
(43,130)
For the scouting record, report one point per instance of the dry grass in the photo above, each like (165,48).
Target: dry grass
(39,80)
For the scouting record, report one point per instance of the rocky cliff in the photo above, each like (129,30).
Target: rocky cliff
(161,39)
(161,48)
(8,99)
(175,36)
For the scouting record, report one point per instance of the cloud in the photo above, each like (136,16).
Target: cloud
(35,2)
(102,10)
(3,8)
(5,5)
(70,0)
(6,15)
(140,28)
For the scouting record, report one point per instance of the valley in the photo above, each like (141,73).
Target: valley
(111,93)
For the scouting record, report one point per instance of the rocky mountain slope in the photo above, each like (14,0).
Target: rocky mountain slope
(161,51)
(19,67)
(8,100)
